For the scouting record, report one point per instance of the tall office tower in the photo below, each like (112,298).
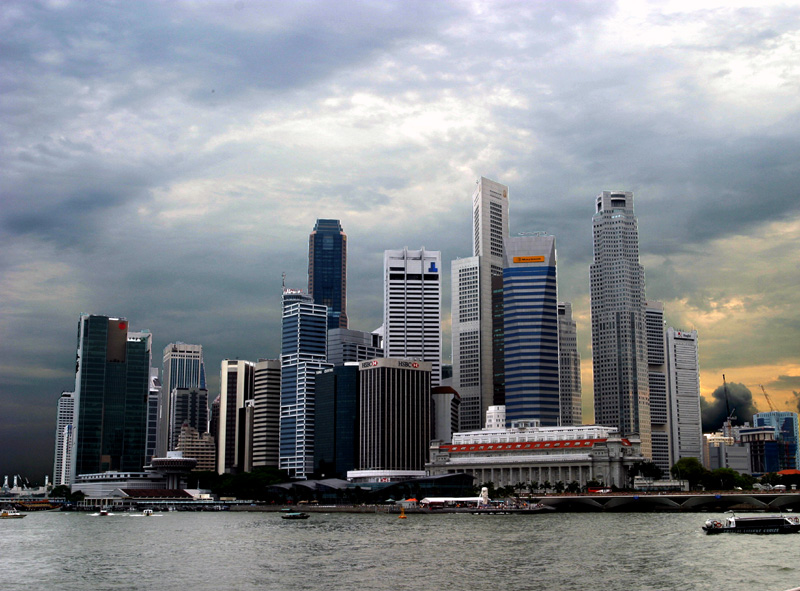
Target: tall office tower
(303,355)
(153,399)
(530,303)
(345,346)
(394,415)
(336,421)
(683,388)
(412,307)
(619,344)
(569,363)
(657,383)
(244,436)
(189,407)
(267,417)
(111,388)
(489,229)
(235,387)
(465,323)
(327,270)
(65,419)
(182,368)
(787,436)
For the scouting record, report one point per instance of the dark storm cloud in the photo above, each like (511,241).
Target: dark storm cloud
(739,403)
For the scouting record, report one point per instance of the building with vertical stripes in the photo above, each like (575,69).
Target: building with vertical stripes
(65,418)
(189,406)
(530,303)
(267,413)
(569,363)
(683,384)
(465,310)
(182,367)
(619,336)
(236,386)
(657,384)
(412,307)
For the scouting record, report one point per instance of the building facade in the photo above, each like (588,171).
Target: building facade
(303,355)
(465,322)
(189,406)
(619,343)
(349,346)
(657,383)
(683,384)
(111,390)
(412,307)
(182,367)
(530,303)
(65,419)
(569,367)
(267,413)
(327,270)
(787,435)
(236,386)
(336,421)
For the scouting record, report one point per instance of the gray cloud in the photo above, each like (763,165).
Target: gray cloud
(739,403)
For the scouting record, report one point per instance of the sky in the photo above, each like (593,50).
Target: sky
(166,161)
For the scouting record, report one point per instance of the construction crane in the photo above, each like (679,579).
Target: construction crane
(771,407)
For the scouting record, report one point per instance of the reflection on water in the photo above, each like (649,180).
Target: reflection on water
(248,551)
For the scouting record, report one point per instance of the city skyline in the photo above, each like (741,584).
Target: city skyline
(157,177)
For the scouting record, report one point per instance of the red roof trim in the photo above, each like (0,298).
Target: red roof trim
(518,445)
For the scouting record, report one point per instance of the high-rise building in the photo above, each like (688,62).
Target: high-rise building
(444,411)
(412,307)
(569,367)
(65,419)
(394,415)
(327,270)
(199,446)
(336,421)
(153,401)
(182,368)
(111,390)
(657,384)
(465,323)
(683,388)
(346,346)
(267,417)
(787,436)
(303,355)
(236,387)
(489,230)
(530,303)
(619,343)
(189,407)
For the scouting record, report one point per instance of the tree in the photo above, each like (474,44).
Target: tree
(689,469)
(720,479)
(60,492)
(559,486)
(574,487)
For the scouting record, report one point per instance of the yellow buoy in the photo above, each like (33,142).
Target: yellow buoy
(402,513)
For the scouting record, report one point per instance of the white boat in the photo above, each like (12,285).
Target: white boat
(761,524)
(10,513)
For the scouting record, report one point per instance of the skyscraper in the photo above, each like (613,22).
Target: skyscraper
(236,387)
(336,421)
(465,322)
(111,390)
(657,384)
(303,354)
(153,401)
(619,343)
(346,345)
(489,229)
(267,417)
(64,429)
(569,367)
(189,407)
(327,270)
(683,371)
(787,436)
(412,306)
(530,303)
(182,368)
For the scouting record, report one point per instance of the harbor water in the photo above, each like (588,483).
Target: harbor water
(249,551)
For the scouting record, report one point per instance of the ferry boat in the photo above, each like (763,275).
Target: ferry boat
(10,513)
(761,524)
(295,515)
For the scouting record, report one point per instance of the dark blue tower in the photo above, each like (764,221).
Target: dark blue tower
(327,270)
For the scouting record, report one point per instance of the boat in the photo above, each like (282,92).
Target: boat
(10,513)
(147,513)
(295,515)
(760,524)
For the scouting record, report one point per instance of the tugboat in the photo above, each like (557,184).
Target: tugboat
(10,513)
(762,524)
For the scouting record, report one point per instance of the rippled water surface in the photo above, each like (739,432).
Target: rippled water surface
(248,551)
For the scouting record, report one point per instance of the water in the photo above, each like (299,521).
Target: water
(248,551)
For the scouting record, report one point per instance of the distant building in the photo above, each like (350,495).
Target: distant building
(683,385)
(569,367)
(65,419)
(182,367)
(657,382)
(267,413)
(763,447)
(446,404)
(725,451)
(787,435)
(153,401)
(112,384)
(346,346)
(530,302)
(465,324)
(189,406)
(200,446)
(327,270)
(236,387)
(619,344)
(336,421)
(394,418)
(412,307)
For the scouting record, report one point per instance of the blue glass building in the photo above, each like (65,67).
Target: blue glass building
(786,436)
(327,270)
(530,328)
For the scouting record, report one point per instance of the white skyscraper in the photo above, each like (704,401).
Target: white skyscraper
(657,383)
(683,371)
(619,343)
(182,368)
(65,420)
(466,330)
(412,307)
(569,367)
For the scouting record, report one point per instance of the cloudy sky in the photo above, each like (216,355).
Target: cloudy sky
(165,161)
